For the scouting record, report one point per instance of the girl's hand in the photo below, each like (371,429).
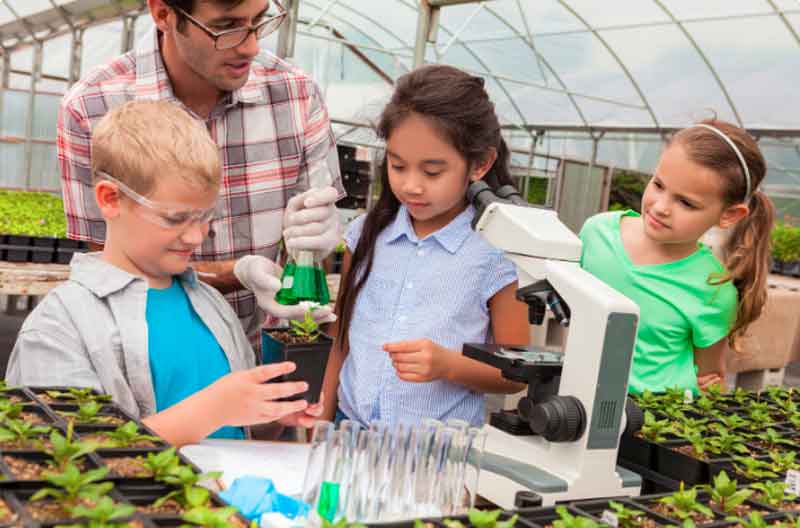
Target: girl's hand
(245,397)
(420,361)
(306,418)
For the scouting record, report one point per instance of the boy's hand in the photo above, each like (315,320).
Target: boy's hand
(420,360)
(262,277)
(305,418)
(245,397)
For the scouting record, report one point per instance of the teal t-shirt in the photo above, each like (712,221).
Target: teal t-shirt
(185,357)
(679,309)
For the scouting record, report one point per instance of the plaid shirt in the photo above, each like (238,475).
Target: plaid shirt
(270,132)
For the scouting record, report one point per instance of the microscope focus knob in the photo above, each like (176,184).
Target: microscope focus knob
(558,418)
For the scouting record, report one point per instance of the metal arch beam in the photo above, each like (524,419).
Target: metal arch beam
(287,35)
(616,57)
(369,19)
(547,64)
(705,59)
(785,21)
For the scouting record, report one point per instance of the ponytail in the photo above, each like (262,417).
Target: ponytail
(746,256)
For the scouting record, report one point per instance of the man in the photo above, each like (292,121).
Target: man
(267,118)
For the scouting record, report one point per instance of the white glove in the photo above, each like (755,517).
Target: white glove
(262,277)
(311,221)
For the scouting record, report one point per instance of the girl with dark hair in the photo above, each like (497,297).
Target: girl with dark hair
(693,307)
(418,282)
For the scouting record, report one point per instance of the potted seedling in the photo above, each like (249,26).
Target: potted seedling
(71,489)
(684,505)
(783,462)
(154,465)
(753,469)
(304,344)
(638,448)
(89,413)
(774,493)
(771,440)
(104,514)
(127,435)
(726,498)
(215,517)
(623,515)
(15,410)
(19,434)
(73,395)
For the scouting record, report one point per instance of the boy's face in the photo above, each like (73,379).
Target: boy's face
(150,242)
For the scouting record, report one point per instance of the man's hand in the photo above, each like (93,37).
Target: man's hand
(420,361)
(311,221)
(262,277)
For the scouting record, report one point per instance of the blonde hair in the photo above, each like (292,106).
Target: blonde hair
(747,250)
(141,142)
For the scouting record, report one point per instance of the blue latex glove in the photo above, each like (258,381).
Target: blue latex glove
(255,496)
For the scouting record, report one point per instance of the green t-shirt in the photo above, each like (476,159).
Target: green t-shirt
(679,309)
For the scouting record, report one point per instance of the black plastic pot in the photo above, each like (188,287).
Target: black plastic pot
(311,360)
(646,503)
(637,450)
(595,508)
(90,461)
(541,517)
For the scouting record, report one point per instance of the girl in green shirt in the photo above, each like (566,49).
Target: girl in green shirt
(693,307)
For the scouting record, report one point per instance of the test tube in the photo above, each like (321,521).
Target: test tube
(476,439)
(349,431)
(315,465)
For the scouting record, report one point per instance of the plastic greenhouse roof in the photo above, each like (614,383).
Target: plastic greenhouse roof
(562,72)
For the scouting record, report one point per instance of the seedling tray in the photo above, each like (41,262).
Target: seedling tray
(648,502)
(13,481)
(595,509)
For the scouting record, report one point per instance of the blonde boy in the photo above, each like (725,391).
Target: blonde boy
(134,320)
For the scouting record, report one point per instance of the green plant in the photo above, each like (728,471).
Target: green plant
(773,492)
(753,468)
(87,413)
(772,439)
(785,243)
(343,523)
(65,450)
(754,520)
(210,517)
(163,463)
(32,214)
(567,520)
(724,493)
(781,462)
(626,517)
(726,443)
(9,409)
(683,504)
(732,421)
(189,494)
(102,514)
(307,328)
(22,431)
(79,396)
(126,435)
(72,485)
(654,430)
(489,519)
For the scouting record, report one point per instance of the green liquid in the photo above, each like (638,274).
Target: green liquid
(303,283)
(328,500)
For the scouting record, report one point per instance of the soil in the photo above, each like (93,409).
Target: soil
(689,451)
(34,443)
(289,338)
(102,439)
(35,418)
(47,511)
(129,467)
(742,511)
(6,515)
(666,511)
(168,508)
(98,420)
(23,469)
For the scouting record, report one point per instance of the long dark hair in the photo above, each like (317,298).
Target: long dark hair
(457,104)
(747,249)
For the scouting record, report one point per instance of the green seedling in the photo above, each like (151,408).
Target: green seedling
(772,439)
(210,517)
(760,420)
(725,443)
(126,435)
(626,517)
(781,462)
(753,468)
(732,421)
(648,400)
(754,520)
(162,464)
(691,425)
(683,504)
(22,432)
(725,495)
(567,520)
(705,404)
(66,450)
(87,413)
(654,430)
(189,495)
(307,328)
(773,492)
(343,523)
(79,396)
(740,396)
(489,519)
(9,409)
(775,392)
(102,514)
(71,486)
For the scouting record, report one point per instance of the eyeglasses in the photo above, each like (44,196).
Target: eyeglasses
(162,214)
(231,38)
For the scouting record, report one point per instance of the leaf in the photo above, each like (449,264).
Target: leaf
(196,496)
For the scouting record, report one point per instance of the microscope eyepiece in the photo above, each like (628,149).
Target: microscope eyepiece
(510,193)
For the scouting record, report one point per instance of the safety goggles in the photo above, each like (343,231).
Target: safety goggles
(164,215)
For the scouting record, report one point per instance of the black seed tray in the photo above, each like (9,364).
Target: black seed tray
(11,481)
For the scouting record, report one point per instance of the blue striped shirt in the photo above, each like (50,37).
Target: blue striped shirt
(437,288)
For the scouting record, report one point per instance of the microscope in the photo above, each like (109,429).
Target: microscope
(561,442)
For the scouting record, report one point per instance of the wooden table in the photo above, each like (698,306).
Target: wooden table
(29,280)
